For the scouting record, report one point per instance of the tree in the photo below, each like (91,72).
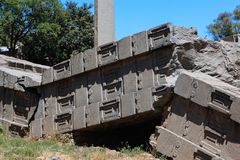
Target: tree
(78,31)
(225,25)
(48,31)
(19,18)
(54,42)
(236,17)
(41,46)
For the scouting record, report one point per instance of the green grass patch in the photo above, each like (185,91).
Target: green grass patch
(14,148)
(127,150)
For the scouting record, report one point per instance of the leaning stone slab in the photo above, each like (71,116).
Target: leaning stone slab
(20,72)
(10,81)
(14,79)
(179,148)
(18,64)
(209,92)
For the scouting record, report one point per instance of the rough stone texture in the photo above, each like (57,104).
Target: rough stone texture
(166,71)
(20,71)
(217,59)
(77,64)
(19,100)
(202,123)
(125,47)
(14,63)
(135,76)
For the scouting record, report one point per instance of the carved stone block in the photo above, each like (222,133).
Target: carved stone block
(47,76)
(36,128)
(125,48)
(49,125)
(160,36)
(77,64)
(111,82)
(145,72)
(64,122)
(144,100)
(130,79)
(62,70)
(110,110)
(94,87)
(81,90)
(108,53)
(93,114)
(90,59)
(140,43)
(128,105)
(79,115)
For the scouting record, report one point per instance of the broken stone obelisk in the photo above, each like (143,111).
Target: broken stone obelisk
(104,22)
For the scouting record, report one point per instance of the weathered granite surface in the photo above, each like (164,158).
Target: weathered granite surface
(18,93)
(217,59)
(22,72)
(167,71)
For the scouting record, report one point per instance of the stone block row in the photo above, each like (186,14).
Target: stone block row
(65,115)
(106,54)
(108,93)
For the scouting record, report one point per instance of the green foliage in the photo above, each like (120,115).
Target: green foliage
(225,25)
(18,18)
(78,31)
(128,150)
(236,13)
(15,148)
(42,45)
(47,31)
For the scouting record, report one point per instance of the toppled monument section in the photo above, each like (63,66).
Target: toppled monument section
(203,122)
(19,95)
(167,73)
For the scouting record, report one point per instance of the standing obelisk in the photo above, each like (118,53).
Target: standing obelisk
(104,22)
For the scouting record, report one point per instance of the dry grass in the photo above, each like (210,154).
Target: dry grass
(13,148)
(96,153)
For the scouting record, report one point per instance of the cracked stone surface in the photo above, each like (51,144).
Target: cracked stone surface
(217,59)
(26,73)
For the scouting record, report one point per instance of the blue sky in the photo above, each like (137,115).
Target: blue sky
(132,16)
